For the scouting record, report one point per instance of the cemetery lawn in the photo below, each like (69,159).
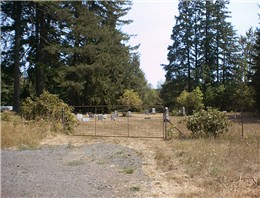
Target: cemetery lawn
(225,167)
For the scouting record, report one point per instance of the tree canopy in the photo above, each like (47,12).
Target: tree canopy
(75,49)
(207,53)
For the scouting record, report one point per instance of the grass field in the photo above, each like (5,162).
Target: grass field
(16,133)
(228,166)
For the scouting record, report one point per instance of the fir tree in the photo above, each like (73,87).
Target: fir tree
(204,49)
(256,67)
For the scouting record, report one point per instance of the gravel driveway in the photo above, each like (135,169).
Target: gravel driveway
(94,170)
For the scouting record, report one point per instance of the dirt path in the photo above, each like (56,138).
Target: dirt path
(69,166)
(165,181)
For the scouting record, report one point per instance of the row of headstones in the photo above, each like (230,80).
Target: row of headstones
(114,115)
(147,111)
(100,117)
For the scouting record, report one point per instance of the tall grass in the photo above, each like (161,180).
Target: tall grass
(16,133)
(228,166)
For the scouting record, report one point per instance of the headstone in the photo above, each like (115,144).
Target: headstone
(100,117)
(91,115)
(79,116)
(116,114)
(129,113)
(153,111)
(146,112)
(113,117)
(105,116)
(85,119)
(6,108)
(183,112)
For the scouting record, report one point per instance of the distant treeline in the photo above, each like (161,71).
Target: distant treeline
(207,53)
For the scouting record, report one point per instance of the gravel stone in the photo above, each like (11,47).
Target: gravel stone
(94,170)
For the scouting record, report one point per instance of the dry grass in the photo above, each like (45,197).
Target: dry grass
(138,125)
(16,133)
(228,166)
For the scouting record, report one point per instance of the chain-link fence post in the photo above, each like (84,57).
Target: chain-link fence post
(63,118)
(165,120)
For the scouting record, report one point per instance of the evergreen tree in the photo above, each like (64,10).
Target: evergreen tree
(12,52)
(7,52)
(96,57)
(17,46)
(74,48)
(204,49)
(256,67)
(246,43)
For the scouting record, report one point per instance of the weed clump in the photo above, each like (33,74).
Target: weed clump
(51,108)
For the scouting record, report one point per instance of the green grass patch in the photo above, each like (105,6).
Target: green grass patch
(135,188)
(128,170)
(75,163)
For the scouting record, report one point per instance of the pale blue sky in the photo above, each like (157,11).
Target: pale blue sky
(153,21)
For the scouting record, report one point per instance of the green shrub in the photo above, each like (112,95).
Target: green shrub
(192,101)
(211,122)
(49,107)
(131,99)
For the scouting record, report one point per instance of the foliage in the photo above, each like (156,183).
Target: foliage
(211,122)
(215,96)
(131,99)
(246,45)
(151,97)
(75,49)
(242,96)
(192,101)
(229,97)
(9,116)
(49,107)
(256,67)
(205,53)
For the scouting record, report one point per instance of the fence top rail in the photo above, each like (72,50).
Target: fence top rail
(81,106)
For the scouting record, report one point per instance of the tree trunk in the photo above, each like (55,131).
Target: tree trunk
(40,39)
(17,45)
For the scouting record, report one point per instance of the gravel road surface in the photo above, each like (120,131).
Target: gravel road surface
(94,170)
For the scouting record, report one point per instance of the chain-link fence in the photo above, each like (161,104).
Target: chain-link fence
(246,122)
(152,121)
(120,121)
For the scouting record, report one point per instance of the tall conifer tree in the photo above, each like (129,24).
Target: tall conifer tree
(204,49)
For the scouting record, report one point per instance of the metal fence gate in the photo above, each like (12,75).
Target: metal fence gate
(118,121)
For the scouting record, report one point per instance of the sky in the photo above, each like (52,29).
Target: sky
(152,24)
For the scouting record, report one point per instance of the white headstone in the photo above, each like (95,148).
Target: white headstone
(116,114)
(85,119)
(79,116)
(129,113)
(183,112)
(166,113)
